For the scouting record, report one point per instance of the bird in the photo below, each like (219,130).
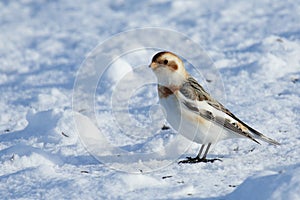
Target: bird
(192,111)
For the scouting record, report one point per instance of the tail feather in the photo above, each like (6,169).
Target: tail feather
(263,137)
(257,134)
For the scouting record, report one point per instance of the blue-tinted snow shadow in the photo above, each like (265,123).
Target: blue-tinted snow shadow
(40,128)
(40,125)
(264,186)
(55,158)
(251,68)
(294,35)
(29,186)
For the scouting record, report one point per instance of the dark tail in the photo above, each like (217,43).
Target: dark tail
(263,137)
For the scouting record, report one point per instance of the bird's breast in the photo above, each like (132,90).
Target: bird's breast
(164,92)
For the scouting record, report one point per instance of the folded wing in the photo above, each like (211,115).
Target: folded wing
(197,100)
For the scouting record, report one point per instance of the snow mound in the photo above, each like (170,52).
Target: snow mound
(285,185)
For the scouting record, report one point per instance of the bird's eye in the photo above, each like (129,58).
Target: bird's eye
(165,62)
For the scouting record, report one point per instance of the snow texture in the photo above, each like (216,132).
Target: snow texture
(255,46)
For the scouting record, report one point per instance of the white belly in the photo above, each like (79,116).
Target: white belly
(190,125)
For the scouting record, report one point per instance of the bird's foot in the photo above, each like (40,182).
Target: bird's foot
(191,160)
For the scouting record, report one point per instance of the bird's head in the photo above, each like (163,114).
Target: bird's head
(168,68)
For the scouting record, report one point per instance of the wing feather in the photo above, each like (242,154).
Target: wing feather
(220,121)
(194,92)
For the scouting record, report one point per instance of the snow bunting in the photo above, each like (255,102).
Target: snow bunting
(191,111)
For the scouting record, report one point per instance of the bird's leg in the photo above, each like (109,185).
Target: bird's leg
(198,158)
(200,151)
(204,159)
(206,151)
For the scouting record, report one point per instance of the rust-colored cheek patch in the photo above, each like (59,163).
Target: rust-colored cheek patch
(173,66)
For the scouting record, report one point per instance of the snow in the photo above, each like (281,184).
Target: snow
(55,147)
(266,186)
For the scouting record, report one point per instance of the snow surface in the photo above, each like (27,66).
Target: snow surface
(255,46)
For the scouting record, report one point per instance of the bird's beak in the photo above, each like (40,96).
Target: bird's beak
(150,66)
(153,65)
